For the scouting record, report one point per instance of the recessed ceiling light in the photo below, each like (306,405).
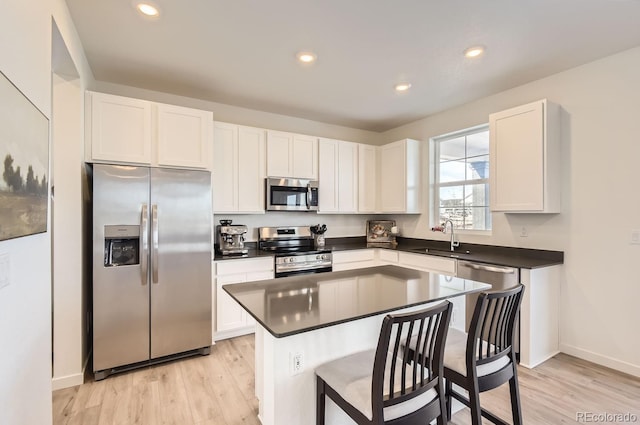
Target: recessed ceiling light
(148,9)
(402,87)
(474,52)
(306,57)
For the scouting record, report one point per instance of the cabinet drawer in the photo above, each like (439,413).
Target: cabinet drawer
(244,265)
(387,256)
(428,263)
(353,256)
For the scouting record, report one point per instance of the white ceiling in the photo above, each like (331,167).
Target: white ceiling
(242,52)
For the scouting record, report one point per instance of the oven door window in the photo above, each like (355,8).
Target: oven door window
(289,196)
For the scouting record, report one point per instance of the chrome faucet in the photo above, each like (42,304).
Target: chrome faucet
(454,243)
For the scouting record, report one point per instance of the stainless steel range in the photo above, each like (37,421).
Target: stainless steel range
(295,252)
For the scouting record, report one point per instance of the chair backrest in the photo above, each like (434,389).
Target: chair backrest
(493,326)
(400,375)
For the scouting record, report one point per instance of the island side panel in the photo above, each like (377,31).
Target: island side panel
(288,398)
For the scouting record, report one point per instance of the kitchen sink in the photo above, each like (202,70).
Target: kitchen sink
(441,253)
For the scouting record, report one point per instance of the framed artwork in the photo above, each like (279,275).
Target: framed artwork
(24,164)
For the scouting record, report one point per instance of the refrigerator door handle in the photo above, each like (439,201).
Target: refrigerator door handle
(144,243)
(154,247)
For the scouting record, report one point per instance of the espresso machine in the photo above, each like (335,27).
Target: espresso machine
(231,238)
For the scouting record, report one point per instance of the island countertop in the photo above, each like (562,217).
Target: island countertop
(296,304)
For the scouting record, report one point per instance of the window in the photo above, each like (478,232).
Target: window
(461,179)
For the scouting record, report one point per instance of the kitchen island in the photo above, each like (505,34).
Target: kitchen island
(307,320)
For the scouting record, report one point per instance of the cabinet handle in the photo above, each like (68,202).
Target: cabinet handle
(495,269)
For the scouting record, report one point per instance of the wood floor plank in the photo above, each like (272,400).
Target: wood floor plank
(218,390)
(202,402)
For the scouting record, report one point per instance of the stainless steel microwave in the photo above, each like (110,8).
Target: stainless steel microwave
(291,195)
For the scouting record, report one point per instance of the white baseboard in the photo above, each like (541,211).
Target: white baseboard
(610,362)
(234,333)
(58,383)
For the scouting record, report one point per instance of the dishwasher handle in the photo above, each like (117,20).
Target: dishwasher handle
(488,268)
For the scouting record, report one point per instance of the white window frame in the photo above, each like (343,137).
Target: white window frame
(434,177)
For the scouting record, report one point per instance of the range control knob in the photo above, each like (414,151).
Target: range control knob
(291,259)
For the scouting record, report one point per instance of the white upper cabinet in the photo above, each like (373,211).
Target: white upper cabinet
(133,131)
(239,169)
(119,128)
(292,155)
(525,158)
(367,178)
(184,137)
(399,184)
(338,176)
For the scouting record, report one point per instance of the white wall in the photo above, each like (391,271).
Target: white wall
(599,298)
(25,305)
(338,225)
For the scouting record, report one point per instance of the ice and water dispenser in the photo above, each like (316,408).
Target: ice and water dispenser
(121,245)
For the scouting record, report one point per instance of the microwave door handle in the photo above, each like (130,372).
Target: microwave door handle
(154,246)
(308,196)
(144,243)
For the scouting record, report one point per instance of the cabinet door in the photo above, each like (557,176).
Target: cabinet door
(225,167)
(184,137)
(393,172)
(304,157)
(120,129)
(251,173)
(517,153)
(278,154)
(347,177)
(327,175)
(229,314)
(367,175)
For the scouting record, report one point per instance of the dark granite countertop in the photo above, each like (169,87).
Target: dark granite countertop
(490,254)
(296,304)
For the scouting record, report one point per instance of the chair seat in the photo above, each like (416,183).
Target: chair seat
(455,351)
(455,356)
(351,377)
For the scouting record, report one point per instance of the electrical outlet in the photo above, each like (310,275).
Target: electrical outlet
(635,237)
(524,232)
(297,363)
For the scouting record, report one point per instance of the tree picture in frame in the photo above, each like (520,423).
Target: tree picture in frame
(24,164)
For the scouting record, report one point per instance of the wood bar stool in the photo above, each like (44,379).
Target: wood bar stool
(484,358)
(385,385)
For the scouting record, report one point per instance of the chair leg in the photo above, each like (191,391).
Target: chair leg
(449,388)
(474,404)
(443,418)
(516,410)
(320,400)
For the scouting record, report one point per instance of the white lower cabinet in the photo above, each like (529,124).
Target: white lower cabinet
(230,319)
(429,263)
(387,256)
(354,259)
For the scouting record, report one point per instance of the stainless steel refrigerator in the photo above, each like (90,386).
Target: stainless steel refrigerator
(151,265)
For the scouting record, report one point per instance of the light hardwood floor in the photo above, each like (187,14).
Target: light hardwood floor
(218,390)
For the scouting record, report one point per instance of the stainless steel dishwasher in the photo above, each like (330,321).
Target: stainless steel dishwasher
(499,277)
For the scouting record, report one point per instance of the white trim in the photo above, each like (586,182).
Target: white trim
(234,333)
(70,380)
(67,381)
(606,361)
